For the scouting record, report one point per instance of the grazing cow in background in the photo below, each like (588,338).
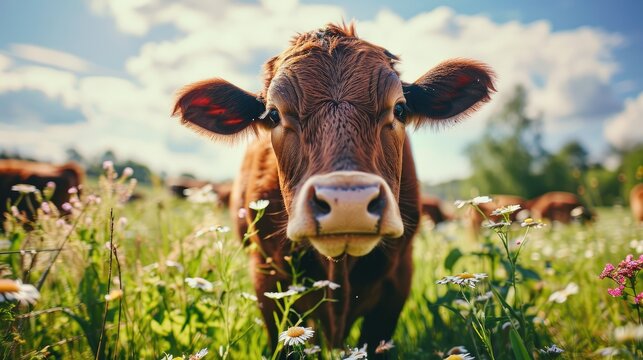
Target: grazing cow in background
(333,157)
(636,202)
(498,201)
(178,187)
(38,174)
(559,206)
(432,208)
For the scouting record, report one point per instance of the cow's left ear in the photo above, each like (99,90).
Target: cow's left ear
(217,108)
(453,89)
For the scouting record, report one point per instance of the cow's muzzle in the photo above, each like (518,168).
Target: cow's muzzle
(345,212)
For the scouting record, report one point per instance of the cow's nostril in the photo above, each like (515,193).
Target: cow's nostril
(320,207)
(376,206)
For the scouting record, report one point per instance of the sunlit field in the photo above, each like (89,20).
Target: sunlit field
(161,277)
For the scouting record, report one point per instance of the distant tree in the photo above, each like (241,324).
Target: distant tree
(73,155)
(563,171)
(507,156)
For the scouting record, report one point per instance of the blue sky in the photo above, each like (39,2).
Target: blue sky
(101,74)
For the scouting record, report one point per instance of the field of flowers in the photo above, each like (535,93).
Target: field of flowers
(159,277)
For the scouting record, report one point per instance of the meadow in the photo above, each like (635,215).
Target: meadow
(161,277)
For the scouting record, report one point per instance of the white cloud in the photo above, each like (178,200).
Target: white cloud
(51,57)
(626,128)
(567,74)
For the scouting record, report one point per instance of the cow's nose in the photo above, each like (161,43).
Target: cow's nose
(350,208)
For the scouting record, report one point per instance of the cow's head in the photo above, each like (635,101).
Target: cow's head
(337,112)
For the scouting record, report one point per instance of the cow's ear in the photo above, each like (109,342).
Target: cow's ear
(451,90)
(216,107)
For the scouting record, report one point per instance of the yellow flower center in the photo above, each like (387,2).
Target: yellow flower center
(8,286)
(454,357)
(295,331)
(529,220)
(466,275)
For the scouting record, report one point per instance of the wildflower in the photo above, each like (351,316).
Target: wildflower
(45,207)
(506,210)
(174,264)
(384,346)
(296,335)
(66,206)
(484,297)
(297,288)
(108,165)
(324,283)
(628,333)
(202,195)
(608,351)
(93,199)
(357,353)
(465,356)
(496,225)
(51,185)
(313,350)
(127,172)
(72,190)
(463,279)
(638,298)
(114,295)
(607,271)
(199,355)
(122,221)
(24,188)
(529,222)
(259,204)
(14,211)
(241,214)
(222,229)
(248,296)
(15,290)
(475,201)
(617,291)
(552,351)
(457,350)
(561,296)
(280,295)
(200,283)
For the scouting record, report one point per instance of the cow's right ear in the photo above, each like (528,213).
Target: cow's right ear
(216,107)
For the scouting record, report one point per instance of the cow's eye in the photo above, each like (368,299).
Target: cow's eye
(273,116)
(399,111)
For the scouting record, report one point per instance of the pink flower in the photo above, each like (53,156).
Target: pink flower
(72,190)
(66,206)
(616,292)
(45,208)
(51,184)
(638,298)
(128,171)
(108,165)
(607,271)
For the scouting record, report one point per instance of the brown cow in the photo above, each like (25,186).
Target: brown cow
(498,201)
(38,174)
(178,187)
(636,202)
(432,208)
(558,206)
(334,159)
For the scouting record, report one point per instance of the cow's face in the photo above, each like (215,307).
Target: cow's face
(337,113)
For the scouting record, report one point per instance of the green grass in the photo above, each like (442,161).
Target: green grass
(160,314)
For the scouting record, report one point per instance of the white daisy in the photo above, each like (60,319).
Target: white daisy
(357,354)
(296,287)
(11,290)
(200,355)
(174,264)
(248,296)
(463,279)
(529,222)
(506,210)
(259,204)
(312,350)
(24,188)
(551,350)
(475,201)
(324,283)
(296,335)
(200,283)
(279,295)
(561,296)
(628,333)
(465,356)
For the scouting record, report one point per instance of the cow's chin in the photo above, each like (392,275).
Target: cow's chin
(352,244)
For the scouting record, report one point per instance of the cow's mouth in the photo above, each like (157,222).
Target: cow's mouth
(337,244)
